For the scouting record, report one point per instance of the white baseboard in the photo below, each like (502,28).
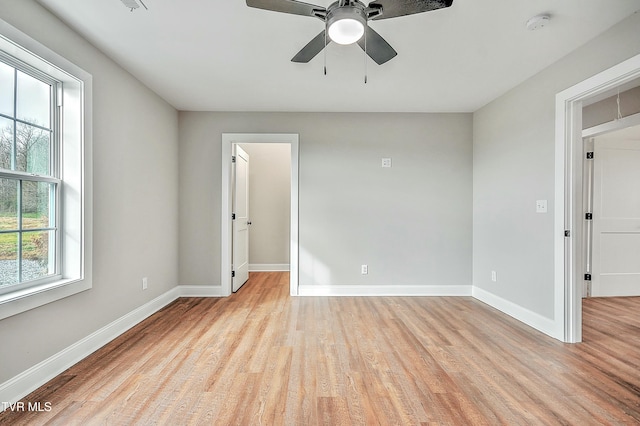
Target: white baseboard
(268,267)
(532,319)
(384,290)
(26,382)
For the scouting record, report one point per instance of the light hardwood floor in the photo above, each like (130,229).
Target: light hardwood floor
(262,357)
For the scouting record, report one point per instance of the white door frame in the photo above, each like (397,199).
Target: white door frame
(568,215)
(228,139)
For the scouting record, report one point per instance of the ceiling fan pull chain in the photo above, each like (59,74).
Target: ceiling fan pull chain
(365,56)
(325,52)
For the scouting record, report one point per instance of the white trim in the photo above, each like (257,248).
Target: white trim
(623,123)
(26,382)
(568,194)
(385,290)
(32,297)
(532,319)
(228,139)
(268,267)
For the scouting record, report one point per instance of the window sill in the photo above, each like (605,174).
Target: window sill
(23,300)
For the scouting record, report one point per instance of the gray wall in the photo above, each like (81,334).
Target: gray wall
(135,193)
(269,202)
(513,166)
(411,224)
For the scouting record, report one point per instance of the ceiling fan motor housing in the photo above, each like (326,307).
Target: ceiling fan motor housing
(343,15)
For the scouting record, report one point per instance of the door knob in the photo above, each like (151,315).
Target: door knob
(248,222)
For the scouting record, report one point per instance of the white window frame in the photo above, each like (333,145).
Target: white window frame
(75,214)
(52,177)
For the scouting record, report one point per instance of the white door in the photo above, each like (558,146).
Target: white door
(616,215)
(240,256)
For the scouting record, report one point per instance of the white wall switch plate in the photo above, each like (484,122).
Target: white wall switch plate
(541,206)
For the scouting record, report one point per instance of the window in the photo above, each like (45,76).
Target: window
(29,183)
(45,175)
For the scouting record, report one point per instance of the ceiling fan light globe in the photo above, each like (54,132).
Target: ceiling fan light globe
(346,31)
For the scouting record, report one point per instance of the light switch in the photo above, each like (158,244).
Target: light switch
(386,162)
(541,206)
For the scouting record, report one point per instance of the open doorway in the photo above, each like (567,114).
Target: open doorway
(229,140)
(569,215)
(270,201)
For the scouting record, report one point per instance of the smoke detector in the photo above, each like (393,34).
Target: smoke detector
(133,4)
(536,22)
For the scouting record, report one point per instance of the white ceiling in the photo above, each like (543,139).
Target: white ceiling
(220,55)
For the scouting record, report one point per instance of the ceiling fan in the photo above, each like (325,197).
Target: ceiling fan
(346,22)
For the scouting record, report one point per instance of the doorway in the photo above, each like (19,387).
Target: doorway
(228,141)
(569,215)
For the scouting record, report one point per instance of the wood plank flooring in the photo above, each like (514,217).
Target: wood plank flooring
(261,357)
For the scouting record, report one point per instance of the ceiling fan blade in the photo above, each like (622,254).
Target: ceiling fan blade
(312,48)
(394,8)
(377,48)
(287,6)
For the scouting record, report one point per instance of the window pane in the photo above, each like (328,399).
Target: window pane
(8,204)
(35,255)
(32,149)
(36,204)
(6,143)
(6,89)
(33,100)
(8,259)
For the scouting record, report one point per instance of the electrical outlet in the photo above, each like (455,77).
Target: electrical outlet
(386,162)
(145,282)
(364,269)
(494,276)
